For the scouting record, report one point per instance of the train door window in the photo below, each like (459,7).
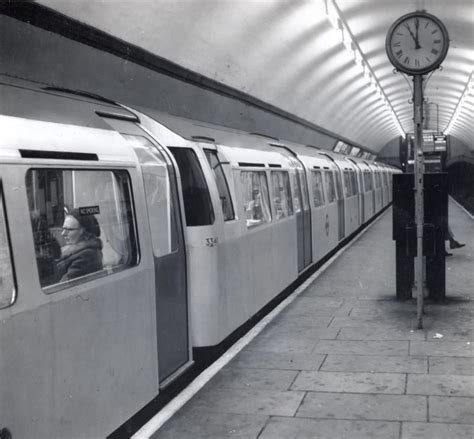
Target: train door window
(161,209)
(304,189)
(347,184)
(197,201)
(256,198)
(355,189)
(296,193)
(83,223)
(281,194)
(7,282)
(318,188)
(221,182)
(368,181)
(330,189)
(378,183)
(339,185)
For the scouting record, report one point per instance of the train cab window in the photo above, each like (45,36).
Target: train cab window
(83,224)
(281,194)
(197,200)
(7,283)
(221,182)
(296,193)
(330,189)
(378,182)
(256,198)
(161,209)
(318,188)
(304,190)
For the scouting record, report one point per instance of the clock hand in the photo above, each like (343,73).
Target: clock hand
(415,39)
(417,24)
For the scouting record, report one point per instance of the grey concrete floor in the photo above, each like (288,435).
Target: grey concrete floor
(344,359)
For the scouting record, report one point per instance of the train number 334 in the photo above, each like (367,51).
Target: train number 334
(211,242)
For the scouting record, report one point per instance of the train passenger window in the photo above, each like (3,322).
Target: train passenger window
(256,197)
(339,186)
(281,194)
(197,201)
(330,189)
(318,189)
(221,182)
(83,223)
(7,283)
(159,200)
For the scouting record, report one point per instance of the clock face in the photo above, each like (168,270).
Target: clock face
(417,43)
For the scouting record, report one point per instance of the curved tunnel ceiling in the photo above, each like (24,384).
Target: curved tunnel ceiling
(288,54)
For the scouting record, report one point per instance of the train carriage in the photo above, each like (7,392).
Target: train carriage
(200,227)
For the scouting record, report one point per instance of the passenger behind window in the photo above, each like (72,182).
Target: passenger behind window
(82,253)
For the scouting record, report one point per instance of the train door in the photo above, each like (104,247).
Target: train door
(169,251)
(361,195)
(340,202)
(303,218)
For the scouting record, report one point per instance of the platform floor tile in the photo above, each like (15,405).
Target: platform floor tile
(301,428)
(417,430)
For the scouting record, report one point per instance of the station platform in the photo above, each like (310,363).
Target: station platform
(341,358)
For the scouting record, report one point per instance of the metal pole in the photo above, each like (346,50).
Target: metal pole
(419,211)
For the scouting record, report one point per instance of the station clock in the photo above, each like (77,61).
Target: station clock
(417,43)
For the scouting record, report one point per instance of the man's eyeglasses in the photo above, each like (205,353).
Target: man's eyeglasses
(70,229)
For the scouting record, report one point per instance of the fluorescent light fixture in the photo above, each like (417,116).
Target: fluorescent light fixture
(338,22)
(468,90)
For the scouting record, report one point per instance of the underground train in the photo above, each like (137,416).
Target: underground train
(199,226)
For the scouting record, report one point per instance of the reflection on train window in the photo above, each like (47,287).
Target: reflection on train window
(330,189)
(159,200)
(281,194)
(197,201)
(368,181)
(318,189)
(7,284)
(82,223)
(221,182)
(255,197)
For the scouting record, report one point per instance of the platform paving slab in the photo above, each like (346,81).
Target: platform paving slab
(249,401)
(357,347)
(272,360)
(451,365)
(301,428)
(444,385)
(375,363)
(418,430)
(363,407)
(451,409)
(350,382)
(272,379)
(442,348)
(374,333)
(193,424)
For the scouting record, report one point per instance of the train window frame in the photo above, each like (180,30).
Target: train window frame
(253,205)
(196,216)
(116,254)
(6,299)
(152,160)
(223,189)
(317,187)
(286,208)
